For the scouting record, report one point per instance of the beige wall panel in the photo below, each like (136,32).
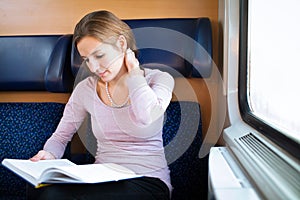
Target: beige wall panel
(32,96)
(56,17)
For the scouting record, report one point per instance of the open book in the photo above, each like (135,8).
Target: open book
(65,171)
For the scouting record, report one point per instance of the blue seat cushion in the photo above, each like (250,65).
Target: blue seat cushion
(24,128)
(182,136)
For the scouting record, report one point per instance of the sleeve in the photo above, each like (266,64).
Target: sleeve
(149,100)
(73,116)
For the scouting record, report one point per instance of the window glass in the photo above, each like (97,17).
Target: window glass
(274,64)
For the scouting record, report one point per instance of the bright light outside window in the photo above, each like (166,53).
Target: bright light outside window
(274,63)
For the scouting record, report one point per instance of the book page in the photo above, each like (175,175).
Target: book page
(35,169)
(93,173)
(64,171)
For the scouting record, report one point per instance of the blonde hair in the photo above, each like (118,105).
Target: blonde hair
(103,25)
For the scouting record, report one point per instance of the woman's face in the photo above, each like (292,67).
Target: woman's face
(103,59)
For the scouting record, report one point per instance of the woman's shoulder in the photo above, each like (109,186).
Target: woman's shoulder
(86,84)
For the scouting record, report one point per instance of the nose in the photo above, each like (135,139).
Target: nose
(94,66)
(99,70)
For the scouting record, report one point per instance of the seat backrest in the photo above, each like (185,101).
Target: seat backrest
(35,63)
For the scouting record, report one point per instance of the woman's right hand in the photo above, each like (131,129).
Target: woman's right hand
(42,155)
(132,62)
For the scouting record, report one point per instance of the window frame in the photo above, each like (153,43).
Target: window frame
(288,144)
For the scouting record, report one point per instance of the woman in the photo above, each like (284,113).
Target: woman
(126,104)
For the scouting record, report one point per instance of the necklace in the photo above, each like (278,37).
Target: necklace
(111,100)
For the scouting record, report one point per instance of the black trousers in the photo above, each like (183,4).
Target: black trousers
(144,188)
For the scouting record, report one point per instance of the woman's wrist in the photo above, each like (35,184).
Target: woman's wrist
(137,71)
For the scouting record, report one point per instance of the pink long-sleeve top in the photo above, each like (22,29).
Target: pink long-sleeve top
(130,136)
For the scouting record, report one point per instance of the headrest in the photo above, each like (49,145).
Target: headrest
(182,47)
(58,75)
(35,63)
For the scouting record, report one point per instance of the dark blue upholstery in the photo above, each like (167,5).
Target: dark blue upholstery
(58,75)
(24,128)
(35,63)
(166,41)
(183,132)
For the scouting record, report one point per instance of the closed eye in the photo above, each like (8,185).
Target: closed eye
(99,56)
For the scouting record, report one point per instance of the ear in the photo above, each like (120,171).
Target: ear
(122,43)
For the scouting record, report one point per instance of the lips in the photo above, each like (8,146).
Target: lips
(102,74)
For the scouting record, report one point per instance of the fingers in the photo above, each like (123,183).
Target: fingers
(129,50)
(42,155)
(130,60)
(39,156)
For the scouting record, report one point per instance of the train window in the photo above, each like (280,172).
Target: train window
(269,69)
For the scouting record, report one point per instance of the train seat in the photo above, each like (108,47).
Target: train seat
(30,63)
(183,47)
